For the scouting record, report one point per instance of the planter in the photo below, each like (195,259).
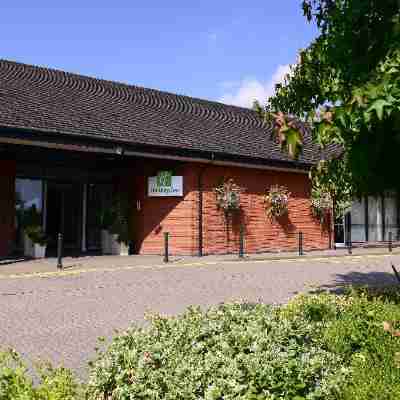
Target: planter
(117,248)
(38,251)
(33,250)
(105,241)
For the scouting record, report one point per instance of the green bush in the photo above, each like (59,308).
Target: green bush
(318,346)
(53,383)
(363,328)
(367,337)
(234,351)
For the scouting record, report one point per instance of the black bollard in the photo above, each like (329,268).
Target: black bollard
(241,242)
(301,253)
(390,244)
(349,243)
(166,247)
(59,251)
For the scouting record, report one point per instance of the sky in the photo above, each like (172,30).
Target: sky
(228,51)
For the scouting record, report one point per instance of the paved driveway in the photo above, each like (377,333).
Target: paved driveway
(58,318)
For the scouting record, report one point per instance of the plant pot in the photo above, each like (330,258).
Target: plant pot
(38,251)
(118,248)
(28,246)
(105,241)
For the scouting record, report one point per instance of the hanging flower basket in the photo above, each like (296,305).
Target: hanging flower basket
(227,196)
(321,205)
(277,201)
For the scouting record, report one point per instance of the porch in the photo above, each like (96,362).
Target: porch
(66,192)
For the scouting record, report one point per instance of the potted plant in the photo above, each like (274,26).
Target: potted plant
(38,240)
(120,228)
(277,201)
(105,218)
(227,196)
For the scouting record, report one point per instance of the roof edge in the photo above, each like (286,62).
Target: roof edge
(88,143)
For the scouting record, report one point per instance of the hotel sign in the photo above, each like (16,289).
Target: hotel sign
(165,185)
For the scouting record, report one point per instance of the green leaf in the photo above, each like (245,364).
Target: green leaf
(378,106)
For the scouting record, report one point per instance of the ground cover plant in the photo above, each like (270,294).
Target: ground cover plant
(16,382)
(318,346)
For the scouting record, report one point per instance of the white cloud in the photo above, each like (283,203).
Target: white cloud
(244,93)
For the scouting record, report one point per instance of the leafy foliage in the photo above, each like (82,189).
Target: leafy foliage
(37,235)
(346,84)
(53,383)
(318,346)
(331,188)
(288,131)
(234,351)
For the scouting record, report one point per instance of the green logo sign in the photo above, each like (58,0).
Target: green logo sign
(164,178)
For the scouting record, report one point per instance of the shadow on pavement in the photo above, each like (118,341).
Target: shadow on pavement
(373,279)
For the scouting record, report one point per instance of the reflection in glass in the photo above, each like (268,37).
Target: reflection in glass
(390,217)
(29,196)
(358,221)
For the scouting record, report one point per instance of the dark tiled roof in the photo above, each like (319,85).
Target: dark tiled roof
(64,103)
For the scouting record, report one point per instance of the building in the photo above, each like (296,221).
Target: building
(371,220)
(68,143)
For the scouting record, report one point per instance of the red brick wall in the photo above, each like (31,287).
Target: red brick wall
(261,234)
(7,206)
(179,216)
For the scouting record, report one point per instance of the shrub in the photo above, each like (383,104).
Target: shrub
(367,337)
(53,383)
(363,328)
(317,346)
(234,351)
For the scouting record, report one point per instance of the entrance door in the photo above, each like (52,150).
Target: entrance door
(64,214)
(99,201)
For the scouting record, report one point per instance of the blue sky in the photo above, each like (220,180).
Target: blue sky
(221,50)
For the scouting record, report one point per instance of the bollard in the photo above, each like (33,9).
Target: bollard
(390,244)
(349,243)
(59,251)
(166,249)
(241,242)
(301,244)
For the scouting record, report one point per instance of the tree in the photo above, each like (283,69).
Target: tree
(346,85)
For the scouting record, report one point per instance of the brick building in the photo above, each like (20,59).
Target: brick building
(68,143)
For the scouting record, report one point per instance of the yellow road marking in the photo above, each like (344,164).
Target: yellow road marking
(181,264)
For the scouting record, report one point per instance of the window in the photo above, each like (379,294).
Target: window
(390,205)
(358,221)
(28,194)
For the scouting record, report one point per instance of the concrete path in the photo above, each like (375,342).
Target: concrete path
(58,316)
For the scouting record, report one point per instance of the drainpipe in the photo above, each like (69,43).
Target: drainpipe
(200,207)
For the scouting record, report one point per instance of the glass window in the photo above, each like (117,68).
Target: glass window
(358,221)
(390,217)
(99,201)
(28,195)
(375,220)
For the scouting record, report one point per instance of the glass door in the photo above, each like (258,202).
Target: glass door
(340,232)
(99,200)
(64,214)
(28,197)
